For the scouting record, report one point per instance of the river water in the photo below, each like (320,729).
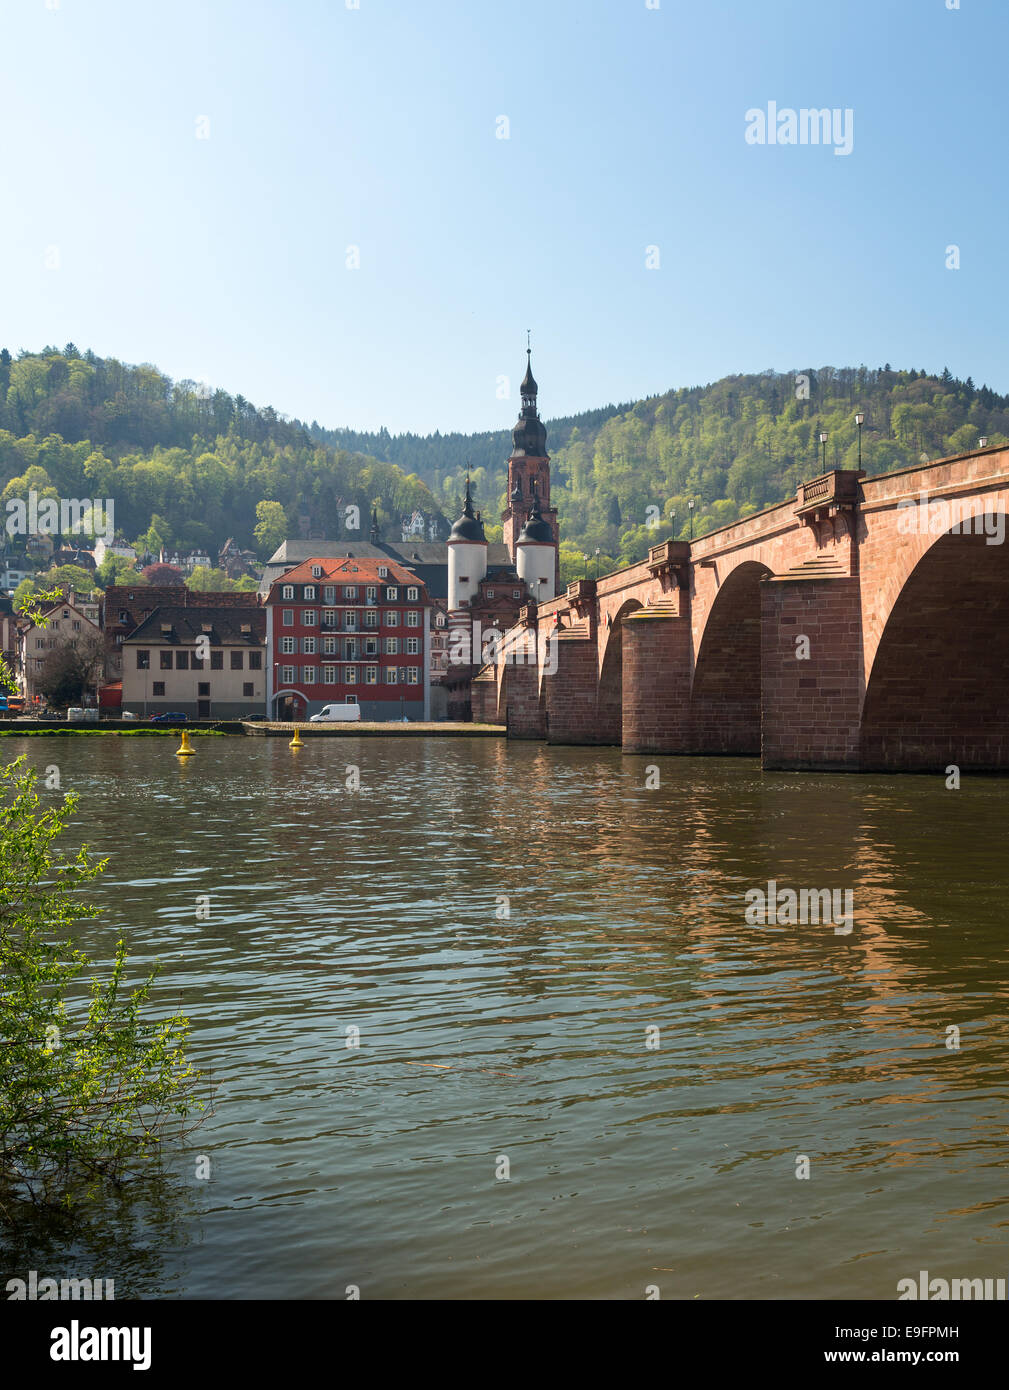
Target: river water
(511,1124)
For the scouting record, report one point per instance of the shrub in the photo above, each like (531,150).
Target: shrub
(88,1087)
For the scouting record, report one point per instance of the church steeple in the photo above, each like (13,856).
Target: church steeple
(529,437)
(529,471)
(529,389)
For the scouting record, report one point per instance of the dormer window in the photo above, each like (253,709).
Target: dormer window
(309,592)
(288,591)
(316,571)
(383,572)
(411,595)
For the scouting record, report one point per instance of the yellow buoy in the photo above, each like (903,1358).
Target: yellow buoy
(187,750)
(296,741)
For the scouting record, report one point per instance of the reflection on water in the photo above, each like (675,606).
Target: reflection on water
(485,1035)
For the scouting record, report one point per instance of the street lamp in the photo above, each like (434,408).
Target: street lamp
(690,509)
(823,442)
(586,559)
(860,421)
(595,566)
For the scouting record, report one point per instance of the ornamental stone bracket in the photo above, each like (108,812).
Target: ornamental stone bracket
(582,596)
(827,504)
(670,563)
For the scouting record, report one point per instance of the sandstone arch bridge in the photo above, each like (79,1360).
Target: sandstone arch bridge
(899,585)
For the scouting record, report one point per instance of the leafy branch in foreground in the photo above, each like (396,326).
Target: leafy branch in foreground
(88,1087)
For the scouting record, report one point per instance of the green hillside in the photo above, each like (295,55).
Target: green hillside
(188,467)
(185,466)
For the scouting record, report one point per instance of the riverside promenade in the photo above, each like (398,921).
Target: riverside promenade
(33,728)
(387,729)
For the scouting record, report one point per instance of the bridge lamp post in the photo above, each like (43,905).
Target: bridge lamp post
(860,421)
(586,559)
(983,442)
(672,521)
(690,509)
(823,445)
(595,565)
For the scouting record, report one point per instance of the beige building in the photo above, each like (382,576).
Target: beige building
(207,663)
(74,623)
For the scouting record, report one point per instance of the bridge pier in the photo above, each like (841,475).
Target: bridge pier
(521,690)
(484,697)
(656,682)
(811,674)
(571,692)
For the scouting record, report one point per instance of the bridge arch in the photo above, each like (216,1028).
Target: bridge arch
(610,692)
(725,690)
(938,688)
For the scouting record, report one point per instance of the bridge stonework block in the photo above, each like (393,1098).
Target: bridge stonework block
(810,708)
(524,708)
(484,700)
(571,693)
(656,685)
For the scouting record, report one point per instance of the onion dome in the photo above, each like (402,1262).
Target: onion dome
(536,529)
(468,527)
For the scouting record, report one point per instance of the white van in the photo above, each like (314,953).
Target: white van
(331,714)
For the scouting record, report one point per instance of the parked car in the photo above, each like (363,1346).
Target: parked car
(332,714)
(172,716)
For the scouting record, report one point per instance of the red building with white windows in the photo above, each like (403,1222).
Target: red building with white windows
(348,630)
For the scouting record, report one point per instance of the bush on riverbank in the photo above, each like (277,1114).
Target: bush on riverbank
(88,1087)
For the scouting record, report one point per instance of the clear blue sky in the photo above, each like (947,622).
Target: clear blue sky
(224,259)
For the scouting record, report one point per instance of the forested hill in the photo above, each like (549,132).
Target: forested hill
(442,459)
(732,447)
(187,467)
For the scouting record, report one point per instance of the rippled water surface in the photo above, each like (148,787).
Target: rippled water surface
(486,1036)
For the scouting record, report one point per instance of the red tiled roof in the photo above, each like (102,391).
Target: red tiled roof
(350,569)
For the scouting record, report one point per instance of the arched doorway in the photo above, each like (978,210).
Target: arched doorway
(290,706)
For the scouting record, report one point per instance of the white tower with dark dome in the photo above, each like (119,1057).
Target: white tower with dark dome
(536,554)
(467,556)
